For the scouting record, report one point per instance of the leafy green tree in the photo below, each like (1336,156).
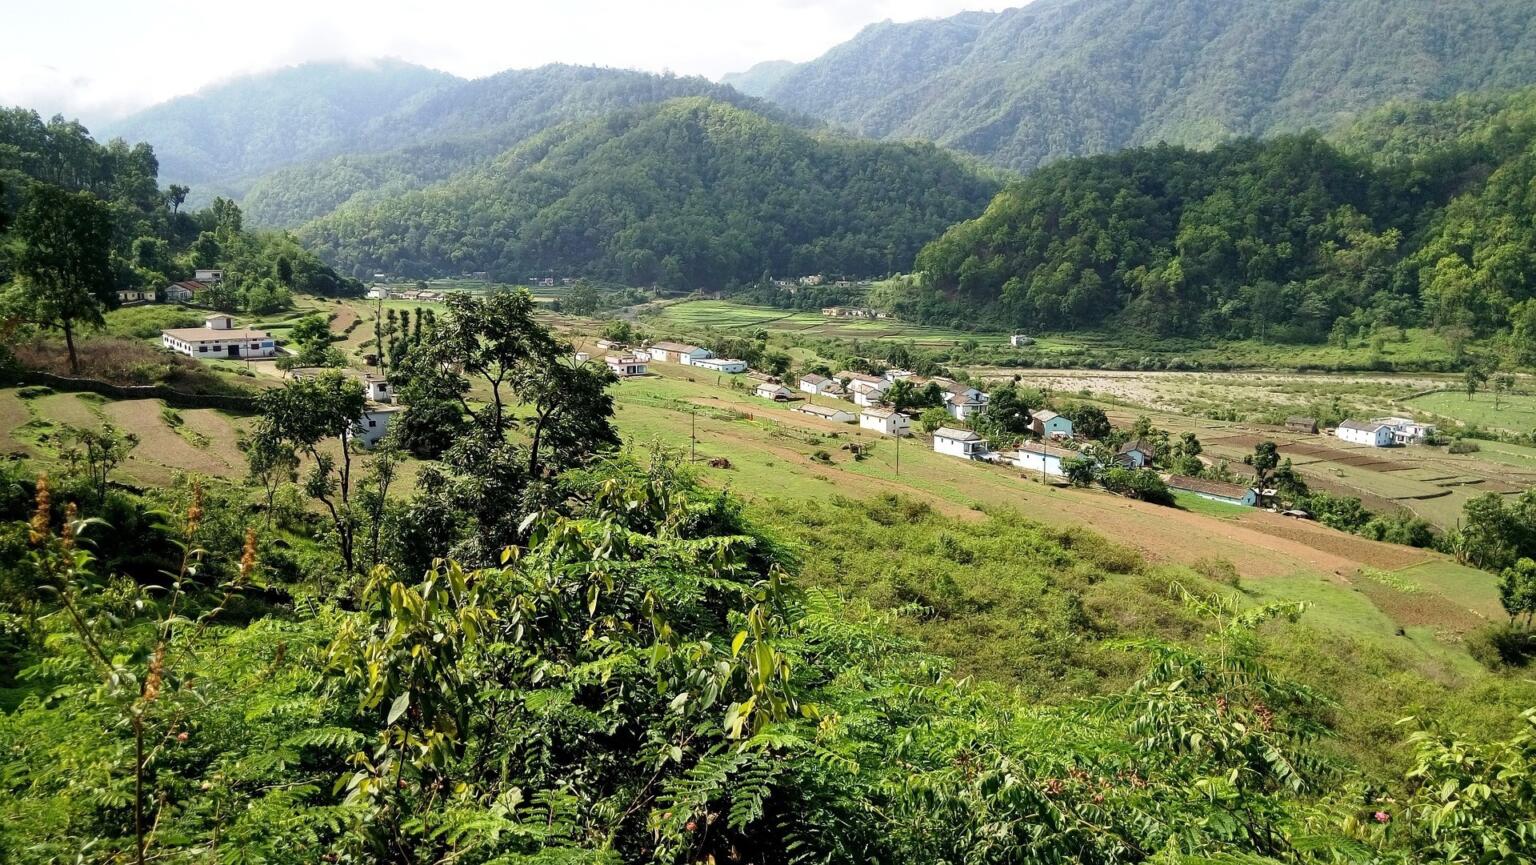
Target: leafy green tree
(933,418)
(96,452)
(64,265)
(318,417)
(1088,421)
(1517,590)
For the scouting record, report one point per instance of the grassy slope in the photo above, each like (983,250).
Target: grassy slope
(1515,412)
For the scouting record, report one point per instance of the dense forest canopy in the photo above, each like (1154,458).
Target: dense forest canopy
(454,128)
(691,193)
(1286,239)
(1059,78)
(152,239)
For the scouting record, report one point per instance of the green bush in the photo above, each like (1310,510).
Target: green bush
(1464,446)
(34,391)
(1502,646)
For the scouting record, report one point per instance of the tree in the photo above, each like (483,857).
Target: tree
(176,196)
(304,415)
(272,462)
(583,299)
(1503,383)
(98,452)
(1080,470)
(64,265)
(1474,378)
(933,418)
(1264,459)
(1088,421)
(1517,590)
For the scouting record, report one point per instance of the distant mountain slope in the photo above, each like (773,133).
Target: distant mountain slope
(1422,214)
(690,193)
(1059,78)
(257,123)
(760,79)
(454,128)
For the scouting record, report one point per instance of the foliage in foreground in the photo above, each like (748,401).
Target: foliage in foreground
(638,682)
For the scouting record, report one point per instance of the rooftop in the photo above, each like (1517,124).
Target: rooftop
(1211,488)
(1046,450)
(963,435)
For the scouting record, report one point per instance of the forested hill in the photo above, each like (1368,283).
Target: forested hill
(693,192)
(458,127)
(1291,239)
(256,123)
(1059,78)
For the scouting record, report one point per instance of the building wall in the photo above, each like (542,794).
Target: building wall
(1031,462)
(1058,426)
(950,447)
(1380,438)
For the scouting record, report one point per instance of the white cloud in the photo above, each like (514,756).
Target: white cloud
(102,58)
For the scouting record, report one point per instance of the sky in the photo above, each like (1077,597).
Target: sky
(101,59)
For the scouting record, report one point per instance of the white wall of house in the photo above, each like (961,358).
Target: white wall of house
(897,424)
(730,366)
(836,415)
(1377,438)
(1036,463)
(374,424)
(957,448)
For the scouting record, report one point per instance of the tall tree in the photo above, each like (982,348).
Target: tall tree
(64,265)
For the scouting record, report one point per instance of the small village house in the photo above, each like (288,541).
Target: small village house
(377,388)
(1136,454)
(1041,458)
(1019,340)
(859,382)
(1407,431)
(959,443)
(895,375)
(836,415)
(208,275)
(625,366)
(868,398)
(1050,425)
(185,291)
(1370,433)
(774,391)
(127,296)
(218,337)
(963,407)
(727,365)
(378,292)
(375,422)
(817,384)
(885,421)
(1216,491)
(677,352)
(1298,424)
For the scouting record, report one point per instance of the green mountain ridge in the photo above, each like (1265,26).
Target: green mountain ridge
(690,193)
(1420,214)
(1058,78)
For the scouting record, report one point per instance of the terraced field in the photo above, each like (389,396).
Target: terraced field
(702,315)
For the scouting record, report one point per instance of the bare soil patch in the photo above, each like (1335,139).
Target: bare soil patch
(1419,609)
(1387,557)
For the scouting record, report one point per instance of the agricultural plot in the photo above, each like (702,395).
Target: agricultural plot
(1514,412)
(699,315)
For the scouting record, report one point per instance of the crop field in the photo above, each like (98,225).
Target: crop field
(1515,412)
(699,315)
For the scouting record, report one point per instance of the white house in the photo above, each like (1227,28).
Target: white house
(1048,424)
(378,389)
(375,422)
(582,357)
(1407,431)
(1216,491)
(208,274)
(677,352)
(185,291)
(135,295)
(1372,433)
(820,385)
(1019,340)
(895,375)
(727,365)
(868,398)
(774,391)
(836,415)
(625,366)
(885,421)
(378,292)
(959,443)
(859,383)
(1042,458)
(963,407)
(218,337)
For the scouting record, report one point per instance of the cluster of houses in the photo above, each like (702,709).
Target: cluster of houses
(384,292)
(184,291)
(854,312)
(629,363)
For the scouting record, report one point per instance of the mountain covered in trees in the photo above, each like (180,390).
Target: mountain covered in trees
(295,144)
(1422,214)
(1058,78)
(688,193)
(255,123)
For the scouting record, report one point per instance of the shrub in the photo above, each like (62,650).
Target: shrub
(1217,570)
(34,391)
(1502,646)
(1464,446)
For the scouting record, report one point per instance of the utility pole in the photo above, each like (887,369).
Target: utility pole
(898,453)
(693,437)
